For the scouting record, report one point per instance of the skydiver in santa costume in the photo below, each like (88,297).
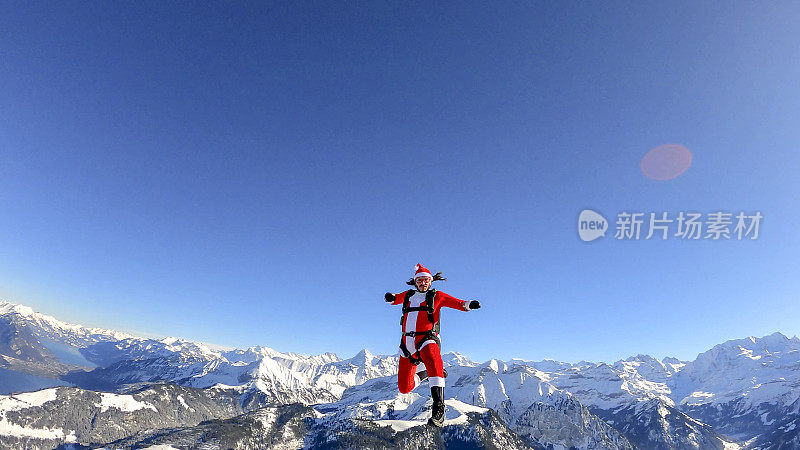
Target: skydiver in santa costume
(420,342)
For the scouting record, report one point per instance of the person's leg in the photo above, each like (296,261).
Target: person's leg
(432,358)
(407,379)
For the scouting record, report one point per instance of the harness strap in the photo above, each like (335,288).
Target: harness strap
(415,357)
(411,357)
(417,333)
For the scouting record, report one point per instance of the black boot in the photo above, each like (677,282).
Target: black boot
(437,409)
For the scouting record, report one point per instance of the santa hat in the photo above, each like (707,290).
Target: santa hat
(421,272)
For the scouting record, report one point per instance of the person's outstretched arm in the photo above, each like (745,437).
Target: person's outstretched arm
(393,299)
(451,302)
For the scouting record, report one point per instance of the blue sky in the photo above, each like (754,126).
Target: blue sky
(260,174)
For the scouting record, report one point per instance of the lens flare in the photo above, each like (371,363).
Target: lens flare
(666,162)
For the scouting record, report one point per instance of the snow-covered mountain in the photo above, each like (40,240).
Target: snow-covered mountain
(299,426)
(538,412)
(107,360)
(261,375)
(49,417)
(743,387)
(747,389)
(48,328)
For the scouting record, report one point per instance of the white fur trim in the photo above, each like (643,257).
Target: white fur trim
(429,341)
(436,381)
(423,274)
(466,305)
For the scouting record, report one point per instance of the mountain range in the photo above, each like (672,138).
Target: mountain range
(69,386)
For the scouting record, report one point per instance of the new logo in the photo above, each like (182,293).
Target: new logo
(591,225)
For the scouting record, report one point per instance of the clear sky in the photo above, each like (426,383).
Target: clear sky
(260,173)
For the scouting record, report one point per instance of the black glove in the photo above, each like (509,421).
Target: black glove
(389,297)
(474,304)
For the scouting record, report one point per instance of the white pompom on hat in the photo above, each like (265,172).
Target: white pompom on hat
(420,271)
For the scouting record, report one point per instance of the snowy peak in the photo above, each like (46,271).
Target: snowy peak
(362,358)
(754,347)
(14,308)
(178,345)
(647,367)
(251,355)
(751,353)
(547,365)
(457,359)
(48,328)
(674,363)
(494,366)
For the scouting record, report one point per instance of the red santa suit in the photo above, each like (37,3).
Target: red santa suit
(422,346)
